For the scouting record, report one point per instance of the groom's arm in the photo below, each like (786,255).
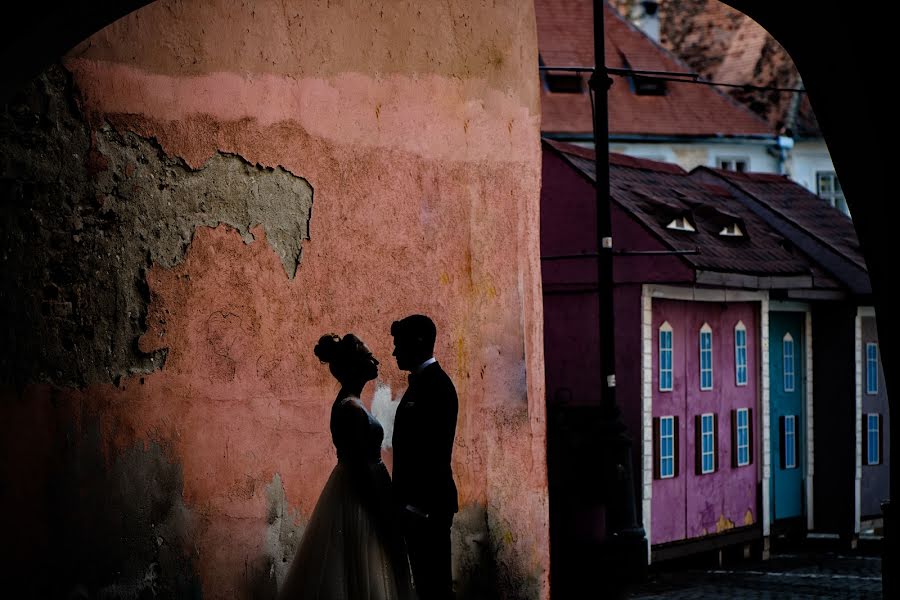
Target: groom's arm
(437,433)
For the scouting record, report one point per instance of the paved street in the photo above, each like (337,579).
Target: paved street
(796,575)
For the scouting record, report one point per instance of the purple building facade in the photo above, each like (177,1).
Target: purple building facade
(849,444)
(694,274)
(705,473)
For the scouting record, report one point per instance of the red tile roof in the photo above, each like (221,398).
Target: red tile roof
(565,38)
(654,193)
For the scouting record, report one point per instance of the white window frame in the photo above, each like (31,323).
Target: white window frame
(733,230)
(663,352)
(789,376)
(729,163)
(681,224)
(707,452)
(870,447)
(834,195)
(666,458)
(706,330)
(740,354)
(872,368)
(790,435)
(743,437)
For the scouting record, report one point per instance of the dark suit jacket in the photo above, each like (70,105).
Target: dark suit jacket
(423,443)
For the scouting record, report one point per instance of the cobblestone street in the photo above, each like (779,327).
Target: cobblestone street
(794,575)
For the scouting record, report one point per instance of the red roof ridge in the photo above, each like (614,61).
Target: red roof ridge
(746,175)
(620,160)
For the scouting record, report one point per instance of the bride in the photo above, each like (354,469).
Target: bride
(351,548)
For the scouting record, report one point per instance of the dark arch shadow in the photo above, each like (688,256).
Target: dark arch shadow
(848,77)
(844,53)
(35,34)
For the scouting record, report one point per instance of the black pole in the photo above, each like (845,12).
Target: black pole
(624,550)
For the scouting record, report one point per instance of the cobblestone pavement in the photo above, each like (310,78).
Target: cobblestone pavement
(802,575)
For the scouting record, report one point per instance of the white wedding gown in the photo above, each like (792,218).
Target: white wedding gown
(352,549)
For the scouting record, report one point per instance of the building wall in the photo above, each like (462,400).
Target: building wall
(787,491)
(875,484)
(571,347)
(692,505)
(806,159)
(700,154)
(193,198)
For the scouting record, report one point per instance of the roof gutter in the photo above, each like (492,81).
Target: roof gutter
(755,139)
(756,282)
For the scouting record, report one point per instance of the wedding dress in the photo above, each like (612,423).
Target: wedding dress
(351,548)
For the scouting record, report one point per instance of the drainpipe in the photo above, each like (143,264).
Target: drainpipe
(624,550)
(785,140)
(783,145)
(645,15)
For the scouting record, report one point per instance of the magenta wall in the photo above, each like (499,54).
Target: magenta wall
(571,340)
(568,226)
(692,505)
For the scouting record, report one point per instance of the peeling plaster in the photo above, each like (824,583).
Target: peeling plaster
(87,212)
(284,530)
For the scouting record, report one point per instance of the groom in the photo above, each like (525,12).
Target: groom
(423,444)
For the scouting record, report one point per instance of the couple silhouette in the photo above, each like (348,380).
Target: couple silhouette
(367,531)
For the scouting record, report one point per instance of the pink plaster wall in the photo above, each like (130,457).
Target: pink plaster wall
(417,127)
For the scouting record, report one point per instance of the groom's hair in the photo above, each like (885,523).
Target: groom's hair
(418,329)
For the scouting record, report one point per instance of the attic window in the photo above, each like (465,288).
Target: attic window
(648,86)
(680,224)
(733,230)
(564,82)
(829,190)
(730,163)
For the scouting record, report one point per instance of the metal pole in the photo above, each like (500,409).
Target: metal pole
(624,550)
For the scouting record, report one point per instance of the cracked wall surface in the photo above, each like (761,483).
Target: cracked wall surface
(86,211)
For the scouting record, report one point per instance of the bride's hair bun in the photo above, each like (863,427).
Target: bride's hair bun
(328,348)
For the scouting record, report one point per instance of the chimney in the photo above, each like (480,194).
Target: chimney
(645,15)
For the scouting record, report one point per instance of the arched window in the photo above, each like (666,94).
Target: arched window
(665,357)
(788,351)
(871,368)
(706,361)
(740,354)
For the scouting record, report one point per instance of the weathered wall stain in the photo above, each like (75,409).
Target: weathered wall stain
(119,525)
(100,207)
(283,534)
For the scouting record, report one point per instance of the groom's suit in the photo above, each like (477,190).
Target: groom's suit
(424,428)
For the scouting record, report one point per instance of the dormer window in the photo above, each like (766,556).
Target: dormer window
(731,163)
(564,82)
(681,224)
(733,230)
(648,86)
(561,82)
(645,85)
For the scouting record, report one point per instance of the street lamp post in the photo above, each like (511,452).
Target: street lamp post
(624,550)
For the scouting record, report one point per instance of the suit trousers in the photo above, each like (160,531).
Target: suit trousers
(428,543)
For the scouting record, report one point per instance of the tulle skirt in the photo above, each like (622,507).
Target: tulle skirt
(351,548)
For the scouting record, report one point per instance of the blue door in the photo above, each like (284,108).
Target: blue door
(787,374)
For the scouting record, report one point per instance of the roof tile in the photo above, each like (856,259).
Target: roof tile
(565,38)
(654,193)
